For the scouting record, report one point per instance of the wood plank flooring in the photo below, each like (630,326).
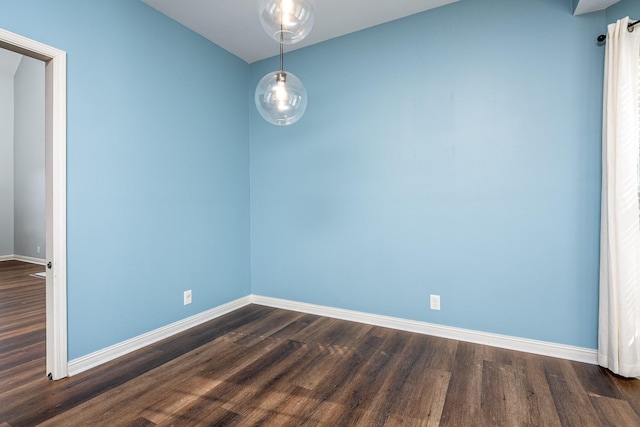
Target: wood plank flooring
(260,366)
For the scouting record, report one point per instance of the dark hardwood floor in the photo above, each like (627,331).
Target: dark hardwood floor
(272,367)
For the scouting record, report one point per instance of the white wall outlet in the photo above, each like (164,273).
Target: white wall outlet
(38,249)
(187,297)
(434,302)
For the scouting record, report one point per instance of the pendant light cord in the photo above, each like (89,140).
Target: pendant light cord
(281,44)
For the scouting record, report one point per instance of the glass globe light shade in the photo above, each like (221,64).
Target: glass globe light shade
(287,21)
(281,98)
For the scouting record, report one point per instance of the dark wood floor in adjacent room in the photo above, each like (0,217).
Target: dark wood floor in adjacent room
(272,367)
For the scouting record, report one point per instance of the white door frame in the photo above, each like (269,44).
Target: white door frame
(56,193)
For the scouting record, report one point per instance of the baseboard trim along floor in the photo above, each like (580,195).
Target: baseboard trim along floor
(23,258)
(99,357)
(578,354)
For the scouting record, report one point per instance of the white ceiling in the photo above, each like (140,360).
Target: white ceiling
(234,25)
(587,6)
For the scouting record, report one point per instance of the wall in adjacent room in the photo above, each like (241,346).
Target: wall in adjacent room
(157,166)
(6,165)
(454,152)
(29,151)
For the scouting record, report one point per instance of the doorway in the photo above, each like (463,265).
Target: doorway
(22,159)
(55,195)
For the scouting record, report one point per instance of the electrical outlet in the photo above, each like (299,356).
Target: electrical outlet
(187,297)
(435,302)
(38,249)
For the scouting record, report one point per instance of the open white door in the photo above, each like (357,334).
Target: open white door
(56,193)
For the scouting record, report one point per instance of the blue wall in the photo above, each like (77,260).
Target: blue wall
(158,179)
(624,8)
(454,152)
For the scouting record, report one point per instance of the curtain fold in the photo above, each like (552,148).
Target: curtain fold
(619,312)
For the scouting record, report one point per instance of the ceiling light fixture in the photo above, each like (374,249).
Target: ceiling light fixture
(280,97)
(287,21)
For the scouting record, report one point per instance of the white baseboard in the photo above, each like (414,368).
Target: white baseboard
(31,260)
(99,357)
(562,351)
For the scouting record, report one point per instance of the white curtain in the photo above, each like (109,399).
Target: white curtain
(619,316)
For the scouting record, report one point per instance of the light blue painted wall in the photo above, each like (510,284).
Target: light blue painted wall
(629,8)
(158,180)
(455,152)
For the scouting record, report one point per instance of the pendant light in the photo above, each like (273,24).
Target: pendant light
(287,21)
(280,96)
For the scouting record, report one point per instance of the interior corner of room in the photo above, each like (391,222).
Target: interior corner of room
(445,179)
